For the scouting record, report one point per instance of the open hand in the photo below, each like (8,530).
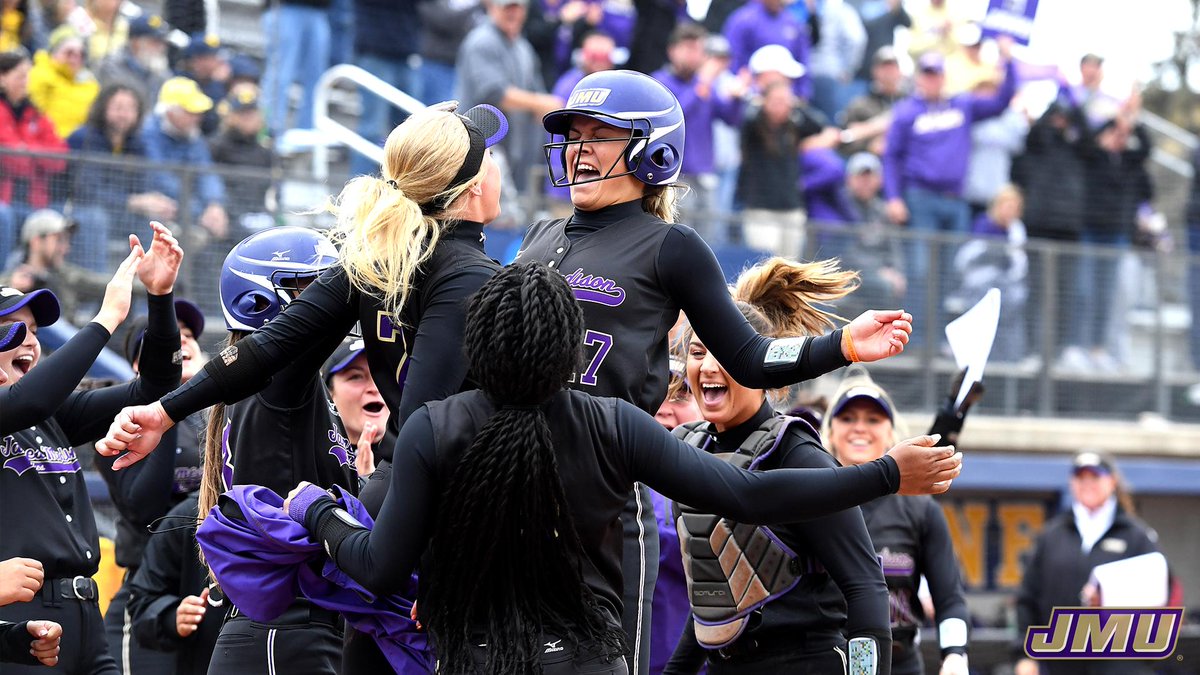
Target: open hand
(878,334)
(190,613)
(160,267)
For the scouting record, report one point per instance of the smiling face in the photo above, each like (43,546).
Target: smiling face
(589,162)
(860,432)
(721,400)
(357,398)
(16,362)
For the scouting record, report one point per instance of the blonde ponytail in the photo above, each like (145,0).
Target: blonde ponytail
(662,201)
(787,293)
(382,230)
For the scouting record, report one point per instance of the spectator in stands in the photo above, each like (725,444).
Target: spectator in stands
(191,17)
(872,247)
(656,18)
(768,22)
(773,216)
(110,32)
(837,57)
(172,135)
(60,85)
(142,63)
(823,178)
(692,77)
(880,24)
(384,45)
(298,44)
(24,180)
(1100,527)
(108,199)
(21,25)
(933,29)
(925,163)
(1051,175)
(996,258)
(204,63)
(239,143)
(727,156)
(868,117)
(244,70)
(994,143)
(444,25)
(1114,189)
(966,68)
(1099,106)
(42,263)
(497,65)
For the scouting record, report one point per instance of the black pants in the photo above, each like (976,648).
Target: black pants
(562,658)
(303,641)
(131,657)
(812,654)
(361,654)
(908,662)
(83,650)
(639,565)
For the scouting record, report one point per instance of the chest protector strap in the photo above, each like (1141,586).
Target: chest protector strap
(734,568)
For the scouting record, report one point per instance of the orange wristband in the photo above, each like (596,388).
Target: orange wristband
(848,346)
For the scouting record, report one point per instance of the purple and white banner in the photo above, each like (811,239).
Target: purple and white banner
(1010,17)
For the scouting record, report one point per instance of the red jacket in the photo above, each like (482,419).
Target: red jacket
(32,131)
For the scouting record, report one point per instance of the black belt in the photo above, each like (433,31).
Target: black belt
(79,588)
(298,614)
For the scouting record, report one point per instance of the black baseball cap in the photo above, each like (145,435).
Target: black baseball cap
(342,357)
(186,312)
(12,334)
(42,302)
(1091,461)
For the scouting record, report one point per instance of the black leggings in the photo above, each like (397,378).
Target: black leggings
(559,657)
(83,650)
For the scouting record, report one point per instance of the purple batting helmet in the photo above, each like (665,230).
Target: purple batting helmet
(626,100)
(260,273)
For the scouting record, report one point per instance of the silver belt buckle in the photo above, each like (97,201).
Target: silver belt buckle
(75,587)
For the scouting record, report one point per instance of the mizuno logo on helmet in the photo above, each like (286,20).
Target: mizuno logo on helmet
(585,97)
(280,255)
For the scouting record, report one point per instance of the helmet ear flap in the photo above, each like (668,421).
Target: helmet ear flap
(253,303)
(662,156)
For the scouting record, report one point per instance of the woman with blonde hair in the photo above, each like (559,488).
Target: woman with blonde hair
(411,253)
(910,534)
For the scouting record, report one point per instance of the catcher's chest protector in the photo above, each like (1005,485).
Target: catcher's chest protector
(733,568)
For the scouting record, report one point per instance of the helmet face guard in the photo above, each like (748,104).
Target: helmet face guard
(556,150)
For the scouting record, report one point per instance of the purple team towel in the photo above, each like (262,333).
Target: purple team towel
(265,561)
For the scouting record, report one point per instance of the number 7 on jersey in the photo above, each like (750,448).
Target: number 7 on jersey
(603,342)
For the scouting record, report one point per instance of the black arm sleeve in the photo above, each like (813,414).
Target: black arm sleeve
(142,492)
(155,589)
(14,643)
(688,656)
(691,476)
(383,559)
(437,364)
(691,275)
(939,565)
(291,388)
(326,307)
(38,394)
(843,545)
(85,415)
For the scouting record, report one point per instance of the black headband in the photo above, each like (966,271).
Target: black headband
(469,169)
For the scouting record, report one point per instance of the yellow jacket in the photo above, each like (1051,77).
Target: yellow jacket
(61,96)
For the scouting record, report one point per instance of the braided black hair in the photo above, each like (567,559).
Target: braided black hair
(505,555)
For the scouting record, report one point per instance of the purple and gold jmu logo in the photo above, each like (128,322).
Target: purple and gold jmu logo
(1143,633)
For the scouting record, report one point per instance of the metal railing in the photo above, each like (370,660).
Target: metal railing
(337,132)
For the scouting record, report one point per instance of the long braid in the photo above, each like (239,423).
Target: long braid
(522,572)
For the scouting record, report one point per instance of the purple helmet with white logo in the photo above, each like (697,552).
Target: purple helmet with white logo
(262,274)
(627,100)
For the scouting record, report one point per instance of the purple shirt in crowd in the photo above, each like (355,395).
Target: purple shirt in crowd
(752,26)
(929,142)
(671,607)
(824,183)
(700,114)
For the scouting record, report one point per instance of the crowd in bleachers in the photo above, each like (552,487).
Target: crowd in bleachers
(803,117)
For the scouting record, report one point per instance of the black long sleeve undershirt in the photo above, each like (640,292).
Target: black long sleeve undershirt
(49,389)
(382,559)
(691,274)
(15,642)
